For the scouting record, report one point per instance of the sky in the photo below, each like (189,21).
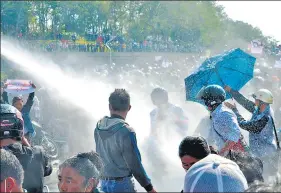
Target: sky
(265,15)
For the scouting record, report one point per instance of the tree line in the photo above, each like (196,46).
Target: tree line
(193,24)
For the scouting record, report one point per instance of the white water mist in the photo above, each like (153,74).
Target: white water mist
(91,95)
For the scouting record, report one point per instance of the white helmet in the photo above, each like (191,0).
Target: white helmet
(264,95)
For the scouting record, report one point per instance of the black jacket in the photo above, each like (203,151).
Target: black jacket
(35,163)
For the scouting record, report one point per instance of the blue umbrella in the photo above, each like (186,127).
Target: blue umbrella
(233,68)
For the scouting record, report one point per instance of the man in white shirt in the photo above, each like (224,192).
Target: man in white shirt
(166,120)
(166,114)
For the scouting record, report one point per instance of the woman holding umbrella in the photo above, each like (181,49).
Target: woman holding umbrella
(261,127)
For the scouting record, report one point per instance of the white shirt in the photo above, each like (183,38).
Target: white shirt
(173,113)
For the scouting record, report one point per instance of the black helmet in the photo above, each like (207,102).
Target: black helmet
(212,94)
(11,123)
(159,96)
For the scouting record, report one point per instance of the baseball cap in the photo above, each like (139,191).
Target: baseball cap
(215,174)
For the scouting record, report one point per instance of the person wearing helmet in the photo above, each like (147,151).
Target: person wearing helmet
(262,139)
(33,159)
(25,109)
(225,134)
(165,112)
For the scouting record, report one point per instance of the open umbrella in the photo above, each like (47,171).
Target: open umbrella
(233,68)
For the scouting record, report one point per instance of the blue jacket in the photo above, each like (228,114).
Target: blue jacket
(28,128)
(261,133)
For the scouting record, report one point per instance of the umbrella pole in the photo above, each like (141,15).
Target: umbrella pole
(223,83)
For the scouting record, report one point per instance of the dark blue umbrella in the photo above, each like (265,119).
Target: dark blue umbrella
(233,68)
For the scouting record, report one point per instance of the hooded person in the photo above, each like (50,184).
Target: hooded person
(116,144)
(215,174)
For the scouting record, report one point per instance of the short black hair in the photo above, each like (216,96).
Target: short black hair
(10,167)
(194,146)
(119,100)
(251,166)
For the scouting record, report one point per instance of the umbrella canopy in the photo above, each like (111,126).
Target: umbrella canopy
(233,68)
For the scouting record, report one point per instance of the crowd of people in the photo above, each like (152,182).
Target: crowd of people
(93,46)
(97,43)
(219,162)
(216,159)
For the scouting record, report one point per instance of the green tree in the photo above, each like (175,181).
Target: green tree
(192,24)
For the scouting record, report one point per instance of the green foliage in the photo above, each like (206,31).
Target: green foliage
(189,23)
(3,76)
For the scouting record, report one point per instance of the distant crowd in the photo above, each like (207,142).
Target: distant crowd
(102,43)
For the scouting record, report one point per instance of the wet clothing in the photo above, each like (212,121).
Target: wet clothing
(203,128)
(116,143)
(35,164)
(173,115)
(225,127)
(261,134)
(28,128)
